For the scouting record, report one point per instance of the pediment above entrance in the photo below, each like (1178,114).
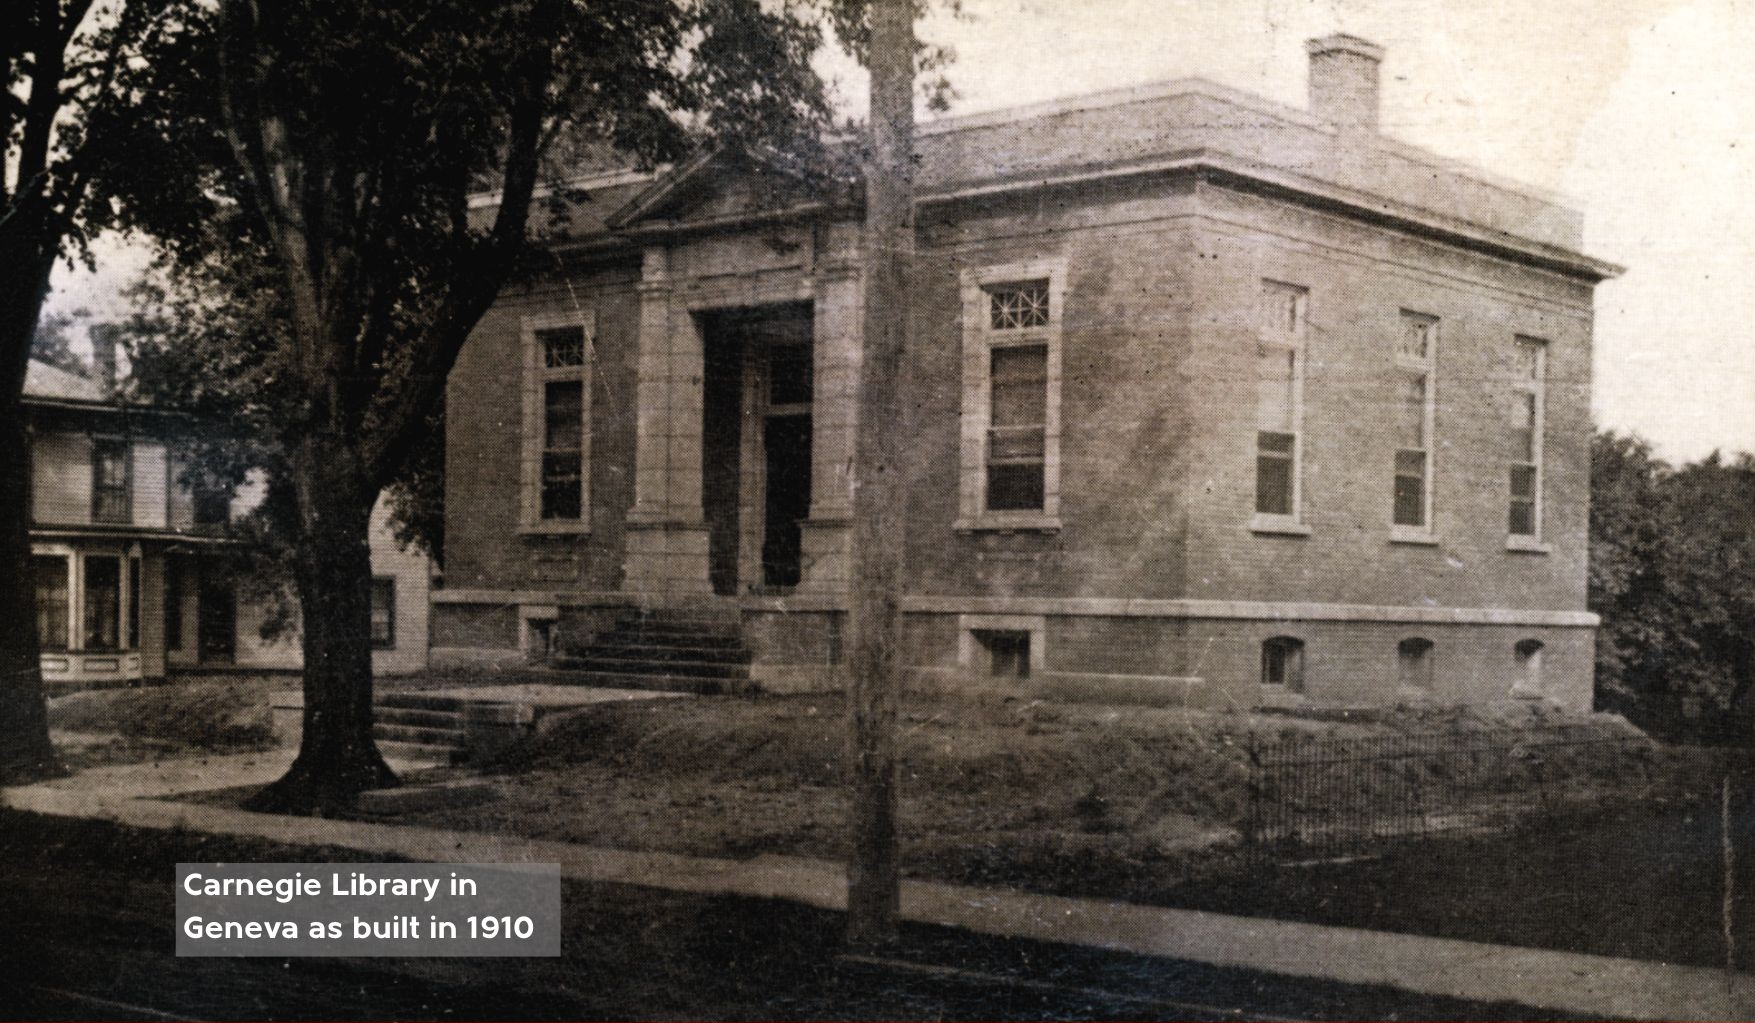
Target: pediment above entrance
(725,188)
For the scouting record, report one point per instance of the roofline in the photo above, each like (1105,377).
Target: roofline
(581,182)
(1308,192)
(1194,85)
(94,405)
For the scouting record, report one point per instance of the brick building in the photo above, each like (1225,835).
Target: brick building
(1215,401)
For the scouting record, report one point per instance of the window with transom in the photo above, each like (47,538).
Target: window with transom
(557,423)
(1416,359)
(1011,396)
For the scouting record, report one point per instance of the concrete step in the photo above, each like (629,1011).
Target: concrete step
(415,700)
(645,680)
(452,737)
(618,647)
(726,631)
(415,717)
(597,661)
(427,752)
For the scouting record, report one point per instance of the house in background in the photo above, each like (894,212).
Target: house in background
(130,564)
(1214,401)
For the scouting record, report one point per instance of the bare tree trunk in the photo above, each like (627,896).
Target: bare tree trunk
(25,751)
(338,758)
(873,885)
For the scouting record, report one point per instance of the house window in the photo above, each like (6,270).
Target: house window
(50,574)
(1279,375)
(134,603)
(110,498)
(1414,660)
(1011,396)
(173,603)
(103,603)
(383,612)
(1528,411)
(1528,681)
(1282,663)
(1007,650)
(1416,359)
(213,504)
(557,424)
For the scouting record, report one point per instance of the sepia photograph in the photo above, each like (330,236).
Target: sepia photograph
(877,510)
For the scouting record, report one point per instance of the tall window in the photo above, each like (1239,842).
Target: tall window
(50,573)
(133,603)
(1416,358)
(1414,660)
(110,497)
(103,603)
(557,424)
(1011,395)
(1279,373)
(383,612)
(173,603)
(1282,663)
(1528,410)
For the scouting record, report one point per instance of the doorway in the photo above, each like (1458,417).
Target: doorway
(756,446)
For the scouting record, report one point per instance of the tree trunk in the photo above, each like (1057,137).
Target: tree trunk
(338,758)
(25,751)
(873,884)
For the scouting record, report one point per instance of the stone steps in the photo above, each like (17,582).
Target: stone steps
(680,651)
(415,726)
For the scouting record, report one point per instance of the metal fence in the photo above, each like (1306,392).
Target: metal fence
(1321,798)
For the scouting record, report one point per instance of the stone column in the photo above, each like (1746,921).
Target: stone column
(666,537)
(834,412)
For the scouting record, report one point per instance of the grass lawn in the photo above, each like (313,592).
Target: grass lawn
(226,714)
(1126,803)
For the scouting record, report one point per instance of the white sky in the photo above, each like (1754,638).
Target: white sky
(1640,111)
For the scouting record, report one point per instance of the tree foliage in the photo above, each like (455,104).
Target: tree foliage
(78,157)
(1672,551)
(345,257)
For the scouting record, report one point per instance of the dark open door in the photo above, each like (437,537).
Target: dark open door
(787,445)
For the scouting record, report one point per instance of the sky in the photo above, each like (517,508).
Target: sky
(1638,112)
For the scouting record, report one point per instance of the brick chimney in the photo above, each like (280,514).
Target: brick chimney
(103,354)
(1343,81)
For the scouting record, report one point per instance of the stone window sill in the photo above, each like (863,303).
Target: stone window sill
(580,528)
(1277,525)
(1527,545)
(1025,523)
(1412,535)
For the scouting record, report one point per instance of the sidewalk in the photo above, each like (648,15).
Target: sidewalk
(1571,983)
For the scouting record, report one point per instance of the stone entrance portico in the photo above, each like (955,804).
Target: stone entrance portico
(683,282)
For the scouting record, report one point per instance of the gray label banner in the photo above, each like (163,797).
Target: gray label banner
(368,909)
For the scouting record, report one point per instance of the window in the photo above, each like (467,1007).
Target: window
(50,574)
(134,603)
(1528,410)
(103,603)
(213,504)
(1414,661)
(1416,358)
(1528,681)
(1282,663)
(1279,376)
(173,603)
(557,424)
(383,612)
(1017,427)
(1011,396)
(1008,652)
(110,498)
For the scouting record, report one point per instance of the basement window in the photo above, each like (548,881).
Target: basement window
(1007,650)
(1282,663)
